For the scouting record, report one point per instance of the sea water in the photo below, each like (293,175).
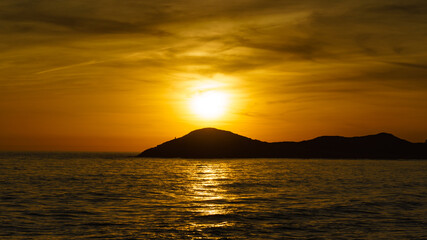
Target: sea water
(117,196)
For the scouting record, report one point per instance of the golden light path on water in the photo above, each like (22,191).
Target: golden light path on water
(209,197)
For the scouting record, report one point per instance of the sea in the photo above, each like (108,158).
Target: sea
(119,196)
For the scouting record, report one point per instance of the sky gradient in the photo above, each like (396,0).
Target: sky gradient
(117,75)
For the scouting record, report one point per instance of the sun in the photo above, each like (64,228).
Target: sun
(210,104)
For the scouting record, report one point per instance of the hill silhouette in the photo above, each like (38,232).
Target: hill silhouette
(215,143)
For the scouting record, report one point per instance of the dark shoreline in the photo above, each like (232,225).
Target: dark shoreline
(210,143)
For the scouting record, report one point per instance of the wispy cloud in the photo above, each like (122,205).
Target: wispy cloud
(68,67)
(313,57)
(410,65)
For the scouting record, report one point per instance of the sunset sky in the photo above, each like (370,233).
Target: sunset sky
(122,75)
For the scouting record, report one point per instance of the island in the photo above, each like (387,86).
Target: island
(216,143)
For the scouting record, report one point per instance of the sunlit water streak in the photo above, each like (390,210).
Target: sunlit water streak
(112,196)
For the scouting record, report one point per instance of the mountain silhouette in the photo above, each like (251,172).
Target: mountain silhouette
(215,143)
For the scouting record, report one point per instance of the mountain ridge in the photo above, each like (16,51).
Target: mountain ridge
(216,143)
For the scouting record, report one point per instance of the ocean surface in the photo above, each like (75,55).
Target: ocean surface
(117,196)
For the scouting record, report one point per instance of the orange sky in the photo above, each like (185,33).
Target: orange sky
(112,75)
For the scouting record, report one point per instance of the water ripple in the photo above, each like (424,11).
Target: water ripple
(112,196)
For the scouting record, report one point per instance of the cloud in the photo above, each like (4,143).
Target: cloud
(67,67)
(274,47)
(410,65)
(417,7)
(34,17)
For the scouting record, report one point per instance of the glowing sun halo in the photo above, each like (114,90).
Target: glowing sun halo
(209,104)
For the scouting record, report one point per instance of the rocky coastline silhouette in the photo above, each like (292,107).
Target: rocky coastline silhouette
(215,143)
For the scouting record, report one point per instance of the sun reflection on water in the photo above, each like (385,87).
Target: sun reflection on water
(210,199)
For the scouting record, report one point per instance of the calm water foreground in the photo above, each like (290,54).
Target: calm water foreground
(113,196)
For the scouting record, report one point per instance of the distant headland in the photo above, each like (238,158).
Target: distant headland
(215,143)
